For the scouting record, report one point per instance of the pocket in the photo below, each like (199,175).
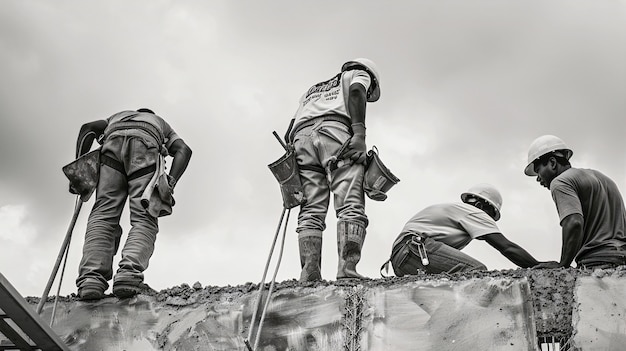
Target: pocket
(143,153)
(336,131)
(406,260)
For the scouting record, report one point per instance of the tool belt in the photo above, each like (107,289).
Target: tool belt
(407,257)
(378,178)
(286,171)
(84,172)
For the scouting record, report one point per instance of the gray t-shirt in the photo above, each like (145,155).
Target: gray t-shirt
(596,197)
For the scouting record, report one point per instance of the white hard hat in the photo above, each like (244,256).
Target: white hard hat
(543,145)
(369,66)
(488,193)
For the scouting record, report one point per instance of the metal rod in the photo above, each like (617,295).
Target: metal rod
(269,293)
(66,242)
(262,283)
(282,143)
(56,298)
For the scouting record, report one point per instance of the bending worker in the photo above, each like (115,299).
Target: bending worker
(590,206)
(432,240)
(330,126)
(134,144)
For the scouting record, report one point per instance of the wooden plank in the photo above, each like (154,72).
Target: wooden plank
(21,313)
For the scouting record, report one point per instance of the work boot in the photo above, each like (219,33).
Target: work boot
(350,237)
(310,258)
(126,290)
(90,293)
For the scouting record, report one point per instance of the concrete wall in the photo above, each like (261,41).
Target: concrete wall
(497,310)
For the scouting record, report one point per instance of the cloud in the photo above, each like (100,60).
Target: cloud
(16,225)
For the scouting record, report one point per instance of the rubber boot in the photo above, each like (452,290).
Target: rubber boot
(310,258)
(350,237)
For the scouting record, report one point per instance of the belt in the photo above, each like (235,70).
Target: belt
(336,118)
(118,166)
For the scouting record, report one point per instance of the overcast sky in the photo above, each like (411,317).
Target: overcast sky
(466,87)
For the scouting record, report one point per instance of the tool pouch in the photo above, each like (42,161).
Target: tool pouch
(83,174)
(378,178)
(405,258)
(286,171)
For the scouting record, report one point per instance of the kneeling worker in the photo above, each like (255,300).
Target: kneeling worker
(432,240)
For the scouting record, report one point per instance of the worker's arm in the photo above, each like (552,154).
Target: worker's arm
(510,250)
(572,232)
(357,100)
(88,133)
(181,154)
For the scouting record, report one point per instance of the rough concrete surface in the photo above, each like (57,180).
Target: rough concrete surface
(478,310)
(600,314)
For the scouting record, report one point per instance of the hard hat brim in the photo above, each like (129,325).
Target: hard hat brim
(464,197)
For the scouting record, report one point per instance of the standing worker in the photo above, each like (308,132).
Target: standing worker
(432,240)
(329,140)
(132,165)
(590,206)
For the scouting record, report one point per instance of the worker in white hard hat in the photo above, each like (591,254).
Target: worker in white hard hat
(329,126)
(432,240)
(590,206)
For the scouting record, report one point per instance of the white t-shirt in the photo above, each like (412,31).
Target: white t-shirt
(454,224)
(330,96)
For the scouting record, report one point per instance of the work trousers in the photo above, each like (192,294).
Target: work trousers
(102,238)
(442,259)
(314,146)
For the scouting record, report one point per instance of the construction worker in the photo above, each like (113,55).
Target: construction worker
(432,240)
(329,140)
(134,144)
(590,206)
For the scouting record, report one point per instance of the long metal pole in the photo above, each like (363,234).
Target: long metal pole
(271,288)
(64,246)
(262,283)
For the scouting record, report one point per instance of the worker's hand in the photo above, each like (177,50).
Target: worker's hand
(357,150)
(171,181)
(548,264)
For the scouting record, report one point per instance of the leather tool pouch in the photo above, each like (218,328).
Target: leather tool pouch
(83,174)
(378,178)
(286,171)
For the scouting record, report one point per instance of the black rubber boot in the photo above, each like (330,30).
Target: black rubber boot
(310,258)
(350,237)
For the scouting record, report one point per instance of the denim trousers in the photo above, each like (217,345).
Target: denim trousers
(442,259)
(102,238)
(314,146)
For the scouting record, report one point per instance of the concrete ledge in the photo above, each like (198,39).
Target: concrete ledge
(493,310)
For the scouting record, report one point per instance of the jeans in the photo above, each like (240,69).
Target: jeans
(314,146)
(102,238)
(442,259)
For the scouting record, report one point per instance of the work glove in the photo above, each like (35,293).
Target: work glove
(171,181)
(357,150)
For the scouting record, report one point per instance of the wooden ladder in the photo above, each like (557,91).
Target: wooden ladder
(19,323)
